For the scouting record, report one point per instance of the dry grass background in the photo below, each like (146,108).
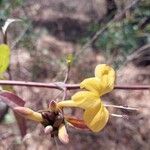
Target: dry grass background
(56,25)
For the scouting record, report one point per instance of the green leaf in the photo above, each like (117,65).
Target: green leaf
(4,57)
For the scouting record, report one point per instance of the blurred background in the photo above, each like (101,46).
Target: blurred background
(52,29)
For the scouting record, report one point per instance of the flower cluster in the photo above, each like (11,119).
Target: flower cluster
(95,114)
(52,119)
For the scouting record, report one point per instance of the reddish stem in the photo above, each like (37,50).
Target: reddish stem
(58,85)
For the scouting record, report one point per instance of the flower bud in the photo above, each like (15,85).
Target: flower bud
(29,114)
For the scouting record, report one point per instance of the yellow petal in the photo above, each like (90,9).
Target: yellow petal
(82,99)
(107,76)
(86,99)
(96,118)
(66,103)
(91,84)
(29,114)
(62,134)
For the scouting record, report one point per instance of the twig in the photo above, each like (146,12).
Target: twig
(65,81)
(67,73)
(57,85)
(20,36)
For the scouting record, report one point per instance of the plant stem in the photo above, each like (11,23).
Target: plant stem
(59,86)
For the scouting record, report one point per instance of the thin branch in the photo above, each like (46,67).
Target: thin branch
(65,81)
(67,73)
(60,86)
(31,84)
(20,36)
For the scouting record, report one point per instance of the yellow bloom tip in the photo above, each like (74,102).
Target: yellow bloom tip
(102,121)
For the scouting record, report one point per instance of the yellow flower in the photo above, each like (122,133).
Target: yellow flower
(95,114)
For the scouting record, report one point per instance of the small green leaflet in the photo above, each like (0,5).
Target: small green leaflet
(4,57)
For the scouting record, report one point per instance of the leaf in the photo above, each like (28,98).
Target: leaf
(11,99)
(4,57)
(62,134)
